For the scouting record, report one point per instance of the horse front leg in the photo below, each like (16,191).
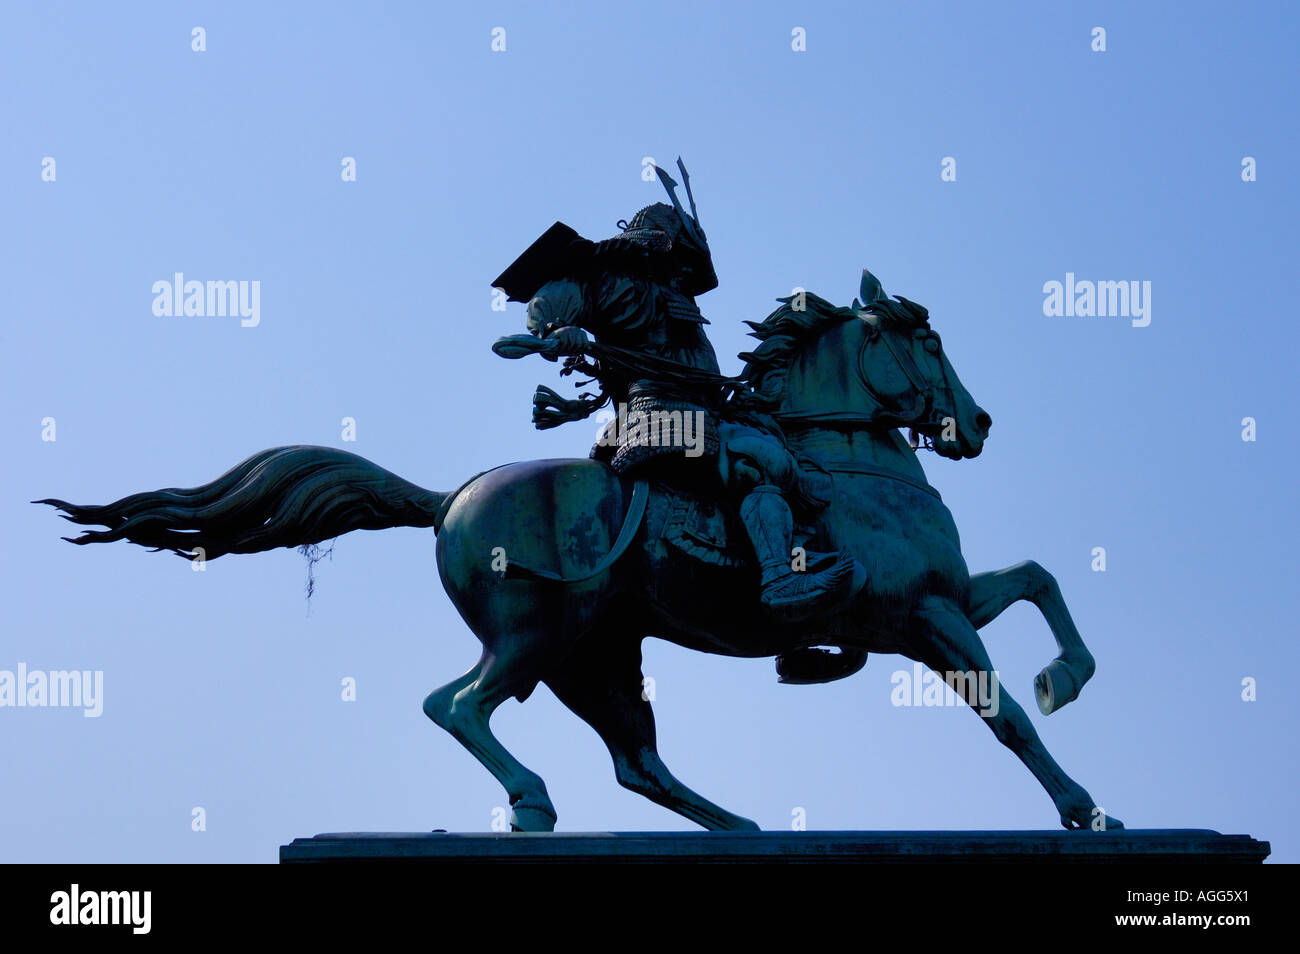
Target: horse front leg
(945,640)
(991,593)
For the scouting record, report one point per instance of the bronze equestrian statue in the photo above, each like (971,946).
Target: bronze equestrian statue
(788,518)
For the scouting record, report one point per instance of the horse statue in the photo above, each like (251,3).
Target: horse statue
(562,568)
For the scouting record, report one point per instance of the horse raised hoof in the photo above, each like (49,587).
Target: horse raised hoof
(525,818)
(1059,683)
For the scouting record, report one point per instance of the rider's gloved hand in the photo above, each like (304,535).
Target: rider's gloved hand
(564,341)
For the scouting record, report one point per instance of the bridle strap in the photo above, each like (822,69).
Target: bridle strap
(905,364)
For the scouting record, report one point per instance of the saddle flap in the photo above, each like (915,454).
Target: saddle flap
(706,531)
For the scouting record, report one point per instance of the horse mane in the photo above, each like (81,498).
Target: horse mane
(785,332)
(782,335)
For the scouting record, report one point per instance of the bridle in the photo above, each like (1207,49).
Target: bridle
(930,419)
(921,417)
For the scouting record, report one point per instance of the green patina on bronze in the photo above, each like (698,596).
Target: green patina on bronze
(804,528)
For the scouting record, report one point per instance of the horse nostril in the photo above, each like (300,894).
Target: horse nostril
(983,421)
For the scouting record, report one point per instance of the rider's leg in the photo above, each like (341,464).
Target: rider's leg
(787,590)
(758,468)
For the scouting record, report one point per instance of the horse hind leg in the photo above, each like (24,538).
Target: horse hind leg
(991,593)
(946,641)
(602,684)
(464,707)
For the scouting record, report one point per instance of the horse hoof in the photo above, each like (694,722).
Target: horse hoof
(531,819)
(1097,822)
(1055,686)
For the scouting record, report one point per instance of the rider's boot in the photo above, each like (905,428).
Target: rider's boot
(828,581)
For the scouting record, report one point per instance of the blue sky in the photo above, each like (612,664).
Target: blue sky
(222,691)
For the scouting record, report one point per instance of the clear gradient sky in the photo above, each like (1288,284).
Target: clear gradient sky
(222,690)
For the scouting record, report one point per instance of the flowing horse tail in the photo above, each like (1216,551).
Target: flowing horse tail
(282,497)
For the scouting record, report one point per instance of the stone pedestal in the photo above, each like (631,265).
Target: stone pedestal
(1151,846)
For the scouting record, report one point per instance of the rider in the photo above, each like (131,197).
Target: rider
(636,291)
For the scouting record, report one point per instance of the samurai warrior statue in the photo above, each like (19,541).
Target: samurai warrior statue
(635,293)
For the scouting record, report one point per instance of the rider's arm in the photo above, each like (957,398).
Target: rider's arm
(551,313)
(624,309)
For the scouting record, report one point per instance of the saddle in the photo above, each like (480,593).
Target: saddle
(706,528)
(707,533)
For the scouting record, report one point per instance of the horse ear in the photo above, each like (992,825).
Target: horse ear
(871,289)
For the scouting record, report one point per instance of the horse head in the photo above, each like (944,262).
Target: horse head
(875,365)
